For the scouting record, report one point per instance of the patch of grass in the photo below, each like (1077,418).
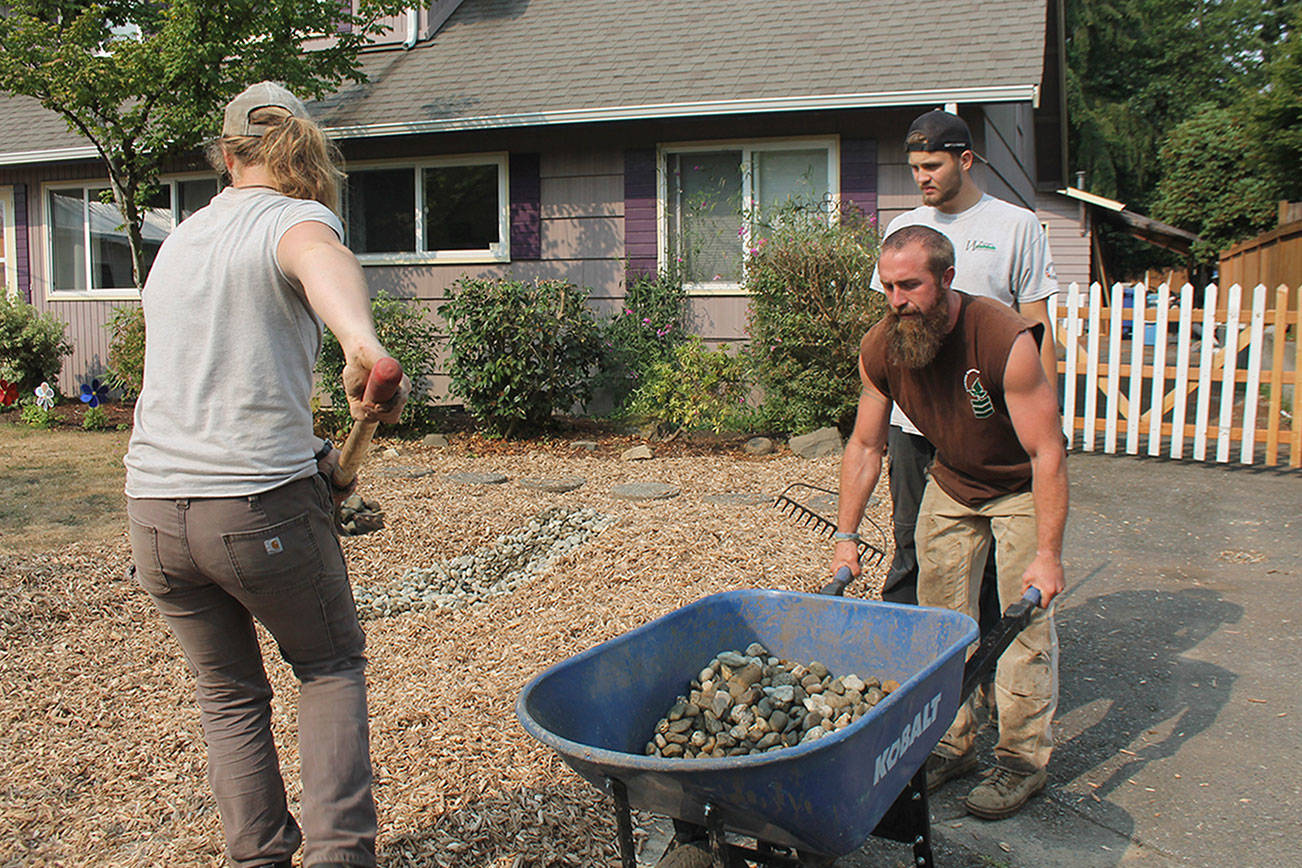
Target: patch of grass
(60,486)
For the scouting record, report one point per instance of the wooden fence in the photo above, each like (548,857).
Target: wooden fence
(1211,376)
(1271,258)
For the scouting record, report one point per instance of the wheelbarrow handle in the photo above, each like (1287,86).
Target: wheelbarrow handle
(996,642)
(836,587)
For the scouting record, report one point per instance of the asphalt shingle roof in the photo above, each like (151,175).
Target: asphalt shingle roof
(521,59)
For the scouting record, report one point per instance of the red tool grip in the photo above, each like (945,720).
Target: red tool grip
(383,382)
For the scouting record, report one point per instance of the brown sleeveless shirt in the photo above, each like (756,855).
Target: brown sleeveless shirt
(957,401)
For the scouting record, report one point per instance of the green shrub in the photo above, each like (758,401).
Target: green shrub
(126,371)
(696,388)
(811,303)
(409,337)
(94,419)
(32,345)
(35,415)
(643,334)
(520,350)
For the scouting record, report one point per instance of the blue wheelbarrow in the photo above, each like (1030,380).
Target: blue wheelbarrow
(804,805)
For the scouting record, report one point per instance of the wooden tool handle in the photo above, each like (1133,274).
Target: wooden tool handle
(383,382)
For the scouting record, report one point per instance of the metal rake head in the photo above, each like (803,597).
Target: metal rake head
(869,554)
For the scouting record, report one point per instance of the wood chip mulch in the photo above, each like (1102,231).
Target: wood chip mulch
(101,755)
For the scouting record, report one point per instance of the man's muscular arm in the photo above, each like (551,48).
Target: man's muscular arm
(1038,311)
(1033,408)
(861,465)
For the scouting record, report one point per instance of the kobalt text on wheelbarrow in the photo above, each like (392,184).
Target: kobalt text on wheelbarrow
(800,806)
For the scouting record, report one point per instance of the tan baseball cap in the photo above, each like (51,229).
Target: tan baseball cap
(264,94)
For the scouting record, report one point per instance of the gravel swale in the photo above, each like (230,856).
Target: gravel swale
(753,702)
(491,571)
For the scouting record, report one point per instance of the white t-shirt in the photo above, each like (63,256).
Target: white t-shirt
(1000,252)
(225,409)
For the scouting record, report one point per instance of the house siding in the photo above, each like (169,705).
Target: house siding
(1069,237)
(583,197)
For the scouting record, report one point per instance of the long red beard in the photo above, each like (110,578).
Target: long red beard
(913,341)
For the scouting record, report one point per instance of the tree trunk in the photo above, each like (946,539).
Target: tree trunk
(124,195)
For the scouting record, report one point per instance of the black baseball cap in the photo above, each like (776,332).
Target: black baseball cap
(938,131)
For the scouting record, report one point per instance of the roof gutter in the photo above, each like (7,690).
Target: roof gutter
(54,155)
(881,99)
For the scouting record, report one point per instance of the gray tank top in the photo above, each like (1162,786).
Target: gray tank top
(231,342)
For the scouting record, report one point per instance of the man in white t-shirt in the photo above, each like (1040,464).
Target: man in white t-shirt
(1001,253)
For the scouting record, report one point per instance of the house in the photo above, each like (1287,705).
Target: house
(592,139)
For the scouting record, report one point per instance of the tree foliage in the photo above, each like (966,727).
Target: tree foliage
(1210,184)
(1138,71)
(143,79)
(1275,114)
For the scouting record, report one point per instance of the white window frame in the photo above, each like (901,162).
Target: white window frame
(499,252)
(9,274)
(748,147)
(117,293)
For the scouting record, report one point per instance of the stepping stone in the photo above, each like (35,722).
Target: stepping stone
(586,445)
(758,446)
(640,452)
(556,486)
(645,491)
(472,478)
(438,441)
(738,498)
(405,471)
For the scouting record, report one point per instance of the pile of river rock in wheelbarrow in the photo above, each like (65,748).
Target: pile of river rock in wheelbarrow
(752,702)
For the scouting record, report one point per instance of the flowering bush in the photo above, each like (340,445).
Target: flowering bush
(811,303)
(644,333)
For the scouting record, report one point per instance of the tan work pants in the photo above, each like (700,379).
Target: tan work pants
(953,541)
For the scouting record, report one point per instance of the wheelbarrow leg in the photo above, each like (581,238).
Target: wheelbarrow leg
(909,820)
(718,844)
(623,823)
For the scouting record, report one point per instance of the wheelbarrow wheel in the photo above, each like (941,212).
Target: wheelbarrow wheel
(686,856)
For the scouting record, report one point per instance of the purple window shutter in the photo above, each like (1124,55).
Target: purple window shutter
(526,207)
(22,262)
(859,175)
(641,249)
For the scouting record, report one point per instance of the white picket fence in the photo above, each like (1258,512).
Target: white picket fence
(1178,379)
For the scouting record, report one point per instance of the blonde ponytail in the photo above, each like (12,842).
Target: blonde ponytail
(302,161)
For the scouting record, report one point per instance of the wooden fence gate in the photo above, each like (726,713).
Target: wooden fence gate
(1180,373)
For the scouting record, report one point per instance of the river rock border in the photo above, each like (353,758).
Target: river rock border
(494,570)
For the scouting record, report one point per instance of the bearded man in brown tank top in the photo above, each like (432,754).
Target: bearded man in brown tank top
(967,371)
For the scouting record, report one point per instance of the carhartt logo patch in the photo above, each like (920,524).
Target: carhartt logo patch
(274,545)
(982,407)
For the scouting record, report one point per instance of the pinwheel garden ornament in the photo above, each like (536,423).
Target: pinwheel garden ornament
(95,393)
(45,396)
(8,392)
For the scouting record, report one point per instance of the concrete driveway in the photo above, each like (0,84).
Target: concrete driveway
(1180,723)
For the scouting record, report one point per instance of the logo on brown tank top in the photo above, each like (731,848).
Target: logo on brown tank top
(982,407)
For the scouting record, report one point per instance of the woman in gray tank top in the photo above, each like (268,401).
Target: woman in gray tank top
(228,494)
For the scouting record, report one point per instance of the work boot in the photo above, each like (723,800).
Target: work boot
(1003,793)
(941,767)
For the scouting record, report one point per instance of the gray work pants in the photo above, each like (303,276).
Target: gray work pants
(213,565)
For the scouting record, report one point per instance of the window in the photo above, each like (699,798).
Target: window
(717,200)
(456,210)
(88,241)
